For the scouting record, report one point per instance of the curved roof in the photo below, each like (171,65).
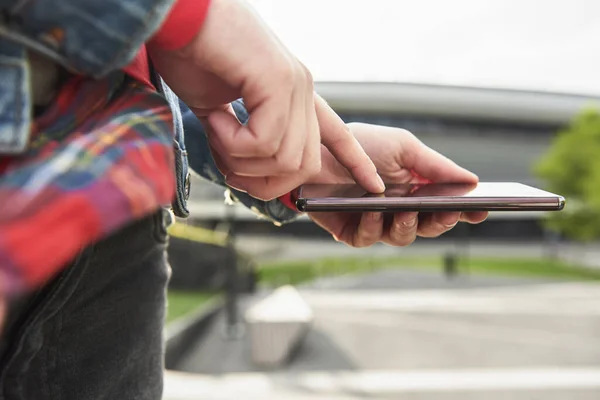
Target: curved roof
(531,45)
(455,102)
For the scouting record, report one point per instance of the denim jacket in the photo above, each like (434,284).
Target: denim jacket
(93,38)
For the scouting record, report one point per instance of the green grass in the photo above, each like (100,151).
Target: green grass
(294,273)
(281,273)
(182,302)
(276,274)
(530,267)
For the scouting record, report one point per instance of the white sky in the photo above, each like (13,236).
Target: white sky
(551,45)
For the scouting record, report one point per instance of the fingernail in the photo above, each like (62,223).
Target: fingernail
(410,224)
(380,184)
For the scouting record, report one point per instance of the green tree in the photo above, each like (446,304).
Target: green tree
(571,167)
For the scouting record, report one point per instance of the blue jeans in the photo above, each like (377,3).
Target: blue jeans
(95,332)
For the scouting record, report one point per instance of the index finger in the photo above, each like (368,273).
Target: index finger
(346,149)
(431,165)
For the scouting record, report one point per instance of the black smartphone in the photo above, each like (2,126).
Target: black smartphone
(430,197)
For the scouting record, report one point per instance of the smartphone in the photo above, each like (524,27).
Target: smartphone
(430,197)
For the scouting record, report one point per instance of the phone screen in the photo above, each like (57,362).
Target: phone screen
(483,189)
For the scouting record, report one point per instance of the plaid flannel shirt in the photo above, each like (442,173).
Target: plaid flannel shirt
(100,157)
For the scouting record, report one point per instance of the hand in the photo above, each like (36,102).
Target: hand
(234,56)
(400,158)
(335,137)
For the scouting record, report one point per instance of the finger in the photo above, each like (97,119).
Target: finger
(203,113)
(346,149)
(268,188)
(216,154)
(403,229)
(312,160)
(271,187)
(288,159)
(431,165)
(354,229)
(369,230)
(434,224)
(474,217)
(269,103)
(264,188)
(275,186)
(262,137)
(219,162)
(335,222)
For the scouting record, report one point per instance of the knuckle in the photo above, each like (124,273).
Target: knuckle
(441,227)
(285,74)
(308,77)
(404,132)
(314,168)
(295,163)
(286,165)
(267,147)
(314,162)
(270,139)
(238,169)
(402,237)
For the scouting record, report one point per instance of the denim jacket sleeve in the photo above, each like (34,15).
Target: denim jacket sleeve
(202,162)
(91,37)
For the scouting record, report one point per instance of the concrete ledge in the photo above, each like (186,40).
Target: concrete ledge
(277,325)
(183,332)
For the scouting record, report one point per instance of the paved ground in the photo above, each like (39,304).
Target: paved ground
(283,249)
(413,335)
(394,280)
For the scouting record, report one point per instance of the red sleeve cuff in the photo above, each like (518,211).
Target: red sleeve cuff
(289,200)
(182,24)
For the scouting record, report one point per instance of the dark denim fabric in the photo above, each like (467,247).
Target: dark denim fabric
(95,332)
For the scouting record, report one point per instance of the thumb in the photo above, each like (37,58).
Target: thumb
(338,139)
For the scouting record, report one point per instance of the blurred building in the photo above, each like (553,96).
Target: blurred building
(497,133)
